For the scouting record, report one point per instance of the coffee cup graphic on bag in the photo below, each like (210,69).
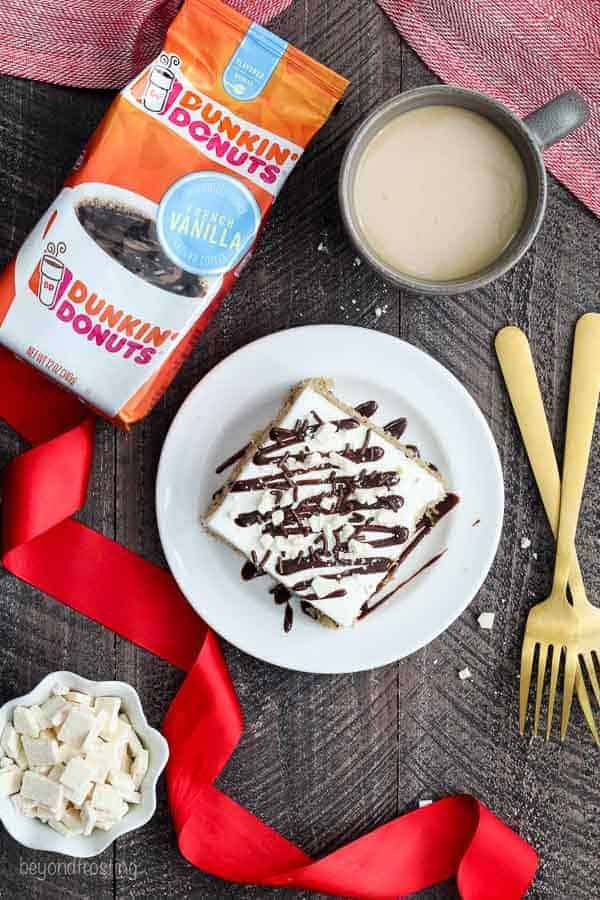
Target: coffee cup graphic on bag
(160,82)
(52,270)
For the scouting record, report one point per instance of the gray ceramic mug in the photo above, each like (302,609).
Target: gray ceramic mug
(530,136)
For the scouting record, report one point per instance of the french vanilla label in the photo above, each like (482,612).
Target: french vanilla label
(81,315)
(243,147)
(207,222)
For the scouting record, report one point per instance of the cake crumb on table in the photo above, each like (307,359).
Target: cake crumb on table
(486,620)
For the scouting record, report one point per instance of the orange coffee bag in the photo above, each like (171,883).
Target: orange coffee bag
(163,209)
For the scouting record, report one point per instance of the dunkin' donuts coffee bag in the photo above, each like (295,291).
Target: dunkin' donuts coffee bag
(163,209)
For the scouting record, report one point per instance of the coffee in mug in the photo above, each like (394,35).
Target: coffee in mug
(440,192)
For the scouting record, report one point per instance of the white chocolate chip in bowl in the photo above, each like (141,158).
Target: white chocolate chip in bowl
(134,743)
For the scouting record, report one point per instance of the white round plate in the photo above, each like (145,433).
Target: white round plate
(240,396)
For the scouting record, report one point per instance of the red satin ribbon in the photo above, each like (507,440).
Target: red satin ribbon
(45,546)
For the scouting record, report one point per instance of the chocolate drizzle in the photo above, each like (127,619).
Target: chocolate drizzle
(363,481)
(281,594)
(441,509)
(335,478)
(252,568)
(367,610)
(429,521)
(288,617)
(396,427)
(250,571)
(367,409)
(232,459)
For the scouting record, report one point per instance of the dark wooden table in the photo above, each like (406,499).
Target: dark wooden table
(325,758)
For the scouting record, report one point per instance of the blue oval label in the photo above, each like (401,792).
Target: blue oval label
(207,222)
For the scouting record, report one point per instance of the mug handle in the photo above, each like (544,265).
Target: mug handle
(557,118)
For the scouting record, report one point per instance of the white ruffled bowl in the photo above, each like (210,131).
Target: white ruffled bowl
(35,834)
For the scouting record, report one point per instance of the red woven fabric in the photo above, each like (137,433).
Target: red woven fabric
(88,43)
(93,43)
(522,52)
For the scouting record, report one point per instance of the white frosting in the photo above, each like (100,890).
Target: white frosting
(418,488)
(267,541)
(267,502)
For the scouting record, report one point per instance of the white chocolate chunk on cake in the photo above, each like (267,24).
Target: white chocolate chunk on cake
(325,501)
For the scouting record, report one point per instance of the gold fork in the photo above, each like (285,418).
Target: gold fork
(554,623)
(516,362)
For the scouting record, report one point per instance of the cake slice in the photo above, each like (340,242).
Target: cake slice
(325,502)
